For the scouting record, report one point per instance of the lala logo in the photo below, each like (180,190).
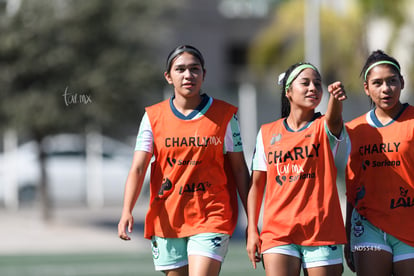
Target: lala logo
(403,201)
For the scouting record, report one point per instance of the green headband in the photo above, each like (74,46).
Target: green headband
(296,72)
(378,63)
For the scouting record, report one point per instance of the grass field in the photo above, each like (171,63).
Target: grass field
(100,264)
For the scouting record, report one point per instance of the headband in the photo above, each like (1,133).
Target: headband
(183,49)
(296,72)
(378,63)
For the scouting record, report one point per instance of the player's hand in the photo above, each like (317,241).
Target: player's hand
(337,90)
(253,247)
(126,222)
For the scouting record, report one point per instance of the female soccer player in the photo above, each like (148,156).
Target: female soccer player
(380,176)
(193,202)
(294,166)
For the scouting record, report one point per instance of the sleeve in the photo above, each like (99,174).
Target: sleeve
(232,139)
(333,140)
(351,190)
(145,138)
(259,157)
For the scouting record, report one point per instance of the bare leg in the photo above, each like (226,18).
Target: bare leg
(368,263)
(404,268)
(328,270)
(203,266)
(181,271)
(281,265)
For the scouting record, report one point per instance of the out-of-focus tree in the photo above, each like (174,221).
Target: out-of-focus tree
(344,38)
(395,11)
(282,44)
(397,15)
(67,65)
(104,49)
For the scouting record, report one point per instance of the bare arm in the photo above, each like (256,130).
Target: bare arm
(254,203)
(334,111)
(347,249)
(241,175)
(133,187)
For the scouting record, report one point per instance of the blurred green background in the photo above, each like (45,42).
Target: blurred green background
(76,75)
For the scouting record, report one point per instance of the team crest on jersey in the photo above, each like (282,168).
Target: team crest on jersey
(275,138)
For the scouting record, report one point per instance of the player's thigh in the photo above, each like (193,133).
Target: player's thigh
(403,256)
(368,263)
(328,270)
(277,264)
(181,271)
(203,266)
(404,268)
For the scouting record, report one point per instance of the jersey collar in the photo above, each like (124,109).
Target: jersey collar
(204,101)
(376,123)
(315,116)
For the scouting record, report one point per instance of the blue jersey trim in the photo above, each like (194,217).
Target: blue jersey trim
(315,116)
(194,113)
(377,122)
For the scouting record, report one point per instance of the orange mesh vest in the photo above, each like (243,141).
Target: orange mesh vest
(190,191)
(380,174)
(301,203)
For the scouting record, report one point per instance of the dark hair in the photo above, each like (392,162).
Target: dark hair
(284,100)
(376,56)
(184,49)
